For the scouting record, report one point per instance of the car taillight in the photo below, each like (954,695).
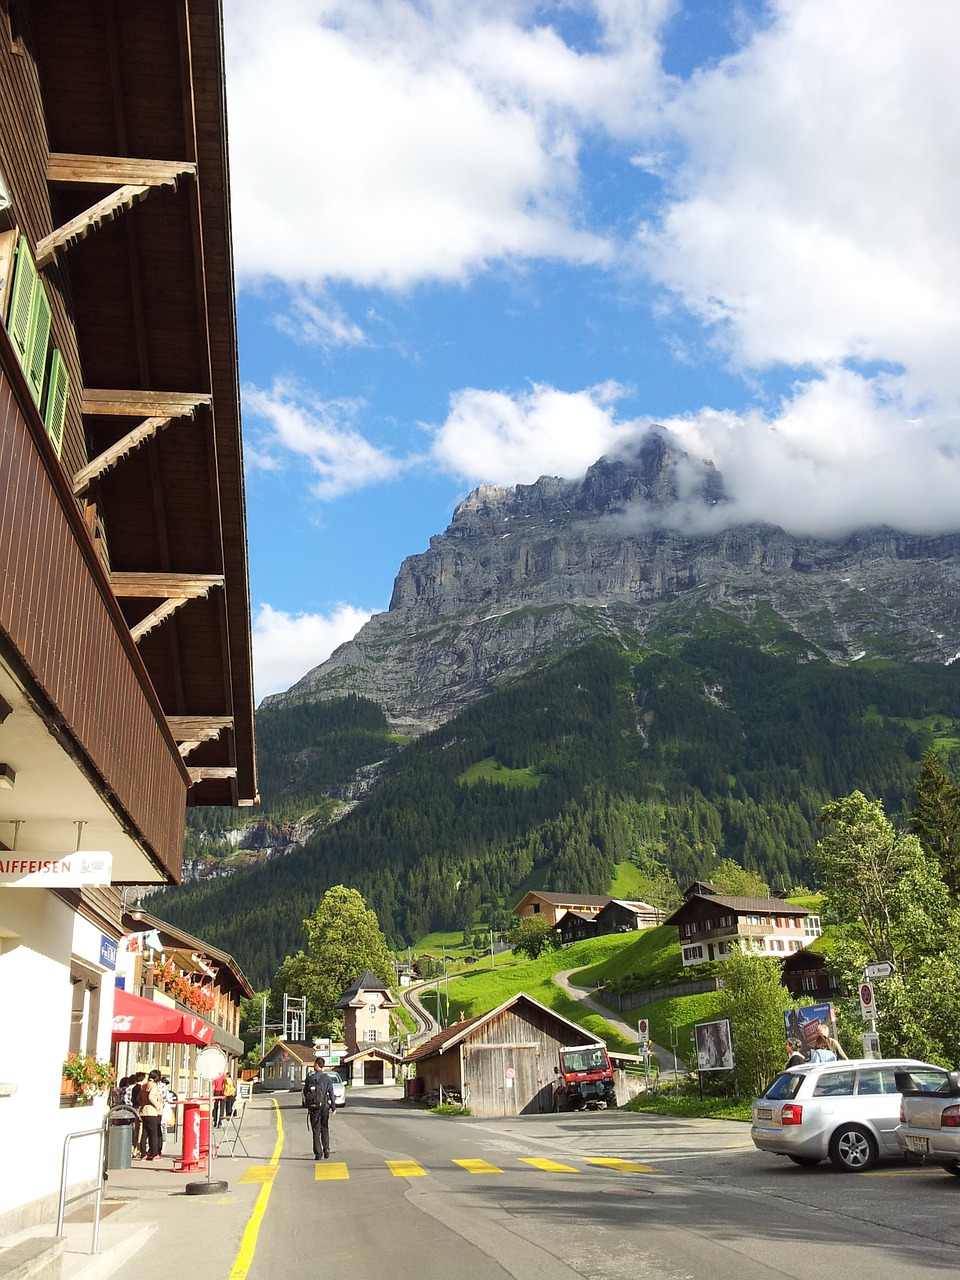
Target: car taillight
(903,1114)
(791,1114)
(950,1118)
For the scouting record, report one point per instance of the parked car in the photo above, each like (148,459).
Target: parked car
(339,1088)
(846,1112)
(930,1115)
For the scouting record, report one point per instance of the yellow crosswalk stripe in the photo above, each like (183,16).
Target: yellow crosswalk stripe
(477,1166)
(406,1169)
(623,1166)
(259,1173)
(549,1166)
(336,1171)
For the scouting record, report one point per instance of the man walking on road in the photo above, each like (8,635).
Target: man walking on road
(318,1099)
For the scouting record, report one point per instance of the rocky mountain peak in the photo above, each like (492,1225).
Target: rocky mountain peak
(523,573)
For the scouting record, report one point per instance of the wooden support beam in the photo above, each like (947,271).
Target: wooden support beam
(79,227)
(191,731)
(115,170)
(110,457)
(214,772)
(154,618)
(143,404)
(164,586)
(204,728)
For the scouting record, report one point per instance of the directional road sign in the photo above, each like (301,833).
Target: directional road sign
(882,969)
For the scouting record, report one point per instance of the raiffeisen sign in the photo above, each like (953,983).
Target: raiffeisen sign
(30,870)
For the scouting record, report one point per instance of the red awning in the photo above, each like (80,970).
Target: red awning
(148,1023)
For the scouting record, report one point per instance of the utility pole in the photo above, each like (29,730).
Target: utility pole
(493,963)
(263,1028)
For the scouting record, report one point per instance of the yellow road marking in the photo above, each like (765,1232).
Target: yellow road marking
(259,1173)
(406,1169)
(337,1171)
(549,1166)
(248,1245)
(477,1166)
(623,1166)
(900,1173)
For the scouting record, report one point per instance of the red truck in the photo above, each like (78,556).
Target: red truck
(584,1079)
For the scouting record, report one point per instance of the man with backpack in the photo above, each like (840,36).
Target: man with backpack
(318,1099)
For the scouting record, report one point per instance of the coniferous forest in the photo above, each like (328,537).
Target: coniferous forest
(717,749)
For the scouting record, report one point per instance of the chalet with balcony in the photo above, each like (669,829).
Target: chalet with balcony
(125,653)
(710,924)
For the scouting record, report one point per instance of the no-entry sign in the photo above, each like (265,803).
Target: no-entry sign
(867,1006)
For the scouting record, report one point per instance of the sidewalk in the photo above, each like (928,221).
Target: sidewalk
(148,1204)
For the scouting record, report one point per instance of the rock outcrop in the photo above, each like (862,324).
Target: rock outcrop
(523,573)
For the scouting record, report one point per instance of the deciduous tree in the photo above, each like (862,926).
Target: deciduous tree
(533,935)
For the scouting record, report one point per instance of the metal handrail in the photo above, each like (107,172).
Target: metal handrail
(70,1137)
(126,1115)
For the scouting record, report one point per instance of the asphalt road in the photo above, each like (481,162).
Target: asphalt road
(648,1197)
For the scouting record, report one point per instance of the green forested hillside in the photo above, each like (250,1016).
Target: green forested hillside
(715,749)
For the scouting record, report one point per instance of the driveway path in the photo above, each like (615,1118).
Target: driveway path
(663,1056)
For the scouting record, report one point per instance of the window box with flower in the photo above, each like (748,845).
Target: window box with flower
(85,1077)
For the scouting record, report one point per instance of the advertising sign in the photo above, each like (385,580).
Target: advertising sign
(804,1025)
(714,1046)
(54,870)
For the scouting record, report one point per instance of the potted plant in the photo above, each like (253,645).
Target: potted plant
(85,1077)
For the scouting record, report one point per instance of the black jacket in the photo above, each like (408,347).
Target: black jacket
(324,1092)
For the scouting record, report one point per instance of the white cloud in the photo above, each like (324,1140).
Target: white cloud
(288,645)
(839,454)
(817,201)
(320,323)
(387,144)
(320,432)
(495,438)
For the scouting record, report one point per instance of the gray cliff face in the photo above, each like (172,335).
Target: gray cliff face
(523,573)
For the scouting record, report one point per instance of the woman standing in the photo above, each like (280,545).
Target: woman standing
(151,1111)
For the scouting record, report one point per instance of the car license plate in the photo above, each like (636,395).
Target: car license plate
(764,1113)
(920,1145)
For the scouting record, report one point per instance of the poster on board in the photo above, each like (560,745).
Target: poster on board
(714,1046)
(804,1025)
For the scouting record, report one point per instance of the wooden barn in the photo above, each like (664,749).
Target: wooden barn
(500,1063)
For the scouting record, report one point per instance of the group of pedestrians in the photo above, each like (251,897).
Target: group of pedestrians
(148,1095)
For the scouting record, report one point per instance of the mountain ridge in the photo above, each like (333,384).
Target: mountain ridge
(626,553)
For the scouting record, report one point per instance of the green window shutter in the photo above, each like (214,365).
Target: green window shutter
(36,358)
(21,300)
(58,393)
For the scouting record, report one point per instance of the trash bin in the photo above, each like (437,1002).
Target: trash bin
(120,1130)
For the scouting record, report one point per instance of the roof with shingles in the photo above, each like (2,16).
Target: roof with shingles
(577,901)
(742,906)
(366,982)
(450,1036)
(301,1051)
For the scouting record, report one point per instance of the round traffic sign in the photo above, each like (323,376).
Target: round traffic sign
(510,1073)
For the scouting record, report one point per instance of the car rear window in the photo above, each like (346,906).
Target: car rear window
(835,1084)
(925,1080)
(785,1086)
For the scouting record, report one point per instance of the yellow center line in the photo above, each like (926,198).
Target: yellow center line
(900,1173)
(549,1166)
(248,1245)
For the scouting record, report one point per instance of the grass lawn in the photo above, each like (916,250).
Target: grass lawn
(653,956)
(485,989)
(626,882)
(691,1105)
(491,770)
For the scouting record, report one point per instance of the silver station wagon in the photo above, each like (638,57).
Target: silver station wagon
(846,1112)
(930,1115)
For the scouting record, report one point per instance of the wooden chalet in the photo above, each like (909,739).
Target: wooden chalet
(500,1063)
(285,1064)
(125,648)
(552,905)
(574,926)
(710,924)
(619,916)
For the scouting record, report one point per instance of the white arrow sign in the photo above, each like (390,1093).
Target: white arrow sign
(882,969)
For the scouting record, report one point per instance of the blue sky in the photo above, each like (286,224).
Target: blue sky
(479,241)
